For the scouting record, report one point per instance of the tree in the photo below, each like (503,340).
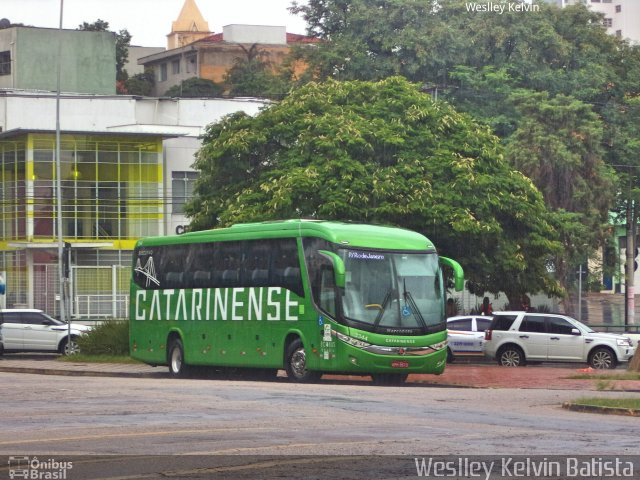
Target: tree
(558,144)
(140,84)
(487,64)
(195,88)
(380,152)
(254,76)
(123,41)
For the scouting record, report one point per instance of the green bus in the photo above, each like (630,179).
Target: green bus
(306,296)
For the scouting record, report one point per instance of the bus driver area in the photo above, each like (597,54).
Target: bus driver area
(310,297)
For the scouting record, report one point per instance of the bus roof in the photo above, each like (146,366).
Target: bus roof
(344,233)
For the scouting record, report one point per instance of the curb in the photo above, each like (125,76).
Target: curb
(80,373)
(629,412)
(96,373)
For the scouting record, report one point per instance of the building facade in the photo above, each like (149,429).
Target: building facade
(125,173)
(621,17)
(29,59)
(213,56)
(189,27)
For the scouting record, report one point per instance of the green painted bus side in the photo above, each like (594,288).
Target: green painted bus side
(257,323)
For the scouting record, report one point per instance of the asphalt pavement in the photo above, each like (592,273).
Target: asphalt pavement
(467,374)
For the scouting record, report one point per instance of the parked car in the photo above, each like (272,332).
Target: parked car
(465,336)
(30,330)
(514,338)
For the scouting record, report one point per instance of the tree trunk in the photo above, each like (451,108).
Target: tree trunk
(634,363)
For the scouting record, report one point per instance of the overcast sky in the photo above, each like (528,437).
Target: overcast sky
(149,21)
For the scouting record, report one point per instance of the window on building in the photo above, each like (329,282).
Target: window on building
(5,63)
(191,64)
(608,22)
(595,1)
(162,77)
(175,67)
(182,189)
(618,8)
(607,1)
(619,33)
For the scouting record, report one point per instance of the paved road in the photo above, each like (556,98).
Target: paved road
(68,415)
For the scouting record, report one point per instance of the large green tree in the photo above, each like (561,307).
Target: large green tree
(380,152)
(558,143)
(487,64)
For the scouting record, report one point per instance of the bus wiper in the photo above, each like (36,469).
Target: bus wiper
(408,298)
(387,297)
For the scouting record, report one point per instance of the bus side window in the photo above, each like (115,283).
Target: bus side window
(257,263)
(230,255)
(286,268)
(201,279)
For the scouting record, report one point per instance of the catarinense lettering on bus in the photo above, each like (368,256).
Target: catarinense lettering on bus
(253,303)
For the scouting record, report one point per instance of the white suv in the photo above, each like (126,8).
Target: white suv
(517,337)
(29,330)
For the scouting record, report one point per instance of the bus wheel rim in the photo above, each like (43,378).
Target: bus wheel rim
(299,362)
(176,360)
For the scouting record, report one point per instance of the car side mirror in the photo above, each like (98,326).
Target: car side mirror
(575,331)
(338,267)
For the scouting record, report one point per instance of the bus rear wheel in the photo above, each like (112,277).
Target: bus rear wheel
(296,364)
(177,367)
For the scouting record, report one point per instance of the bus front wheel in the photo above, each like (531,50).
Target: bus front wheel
(177,368)
(296,364)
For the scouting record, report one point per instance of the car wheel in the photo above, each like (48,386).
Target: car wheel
(511,356)
(177,367)
(389,379)
(602,358)
(69,348)
(296,364)
(450,357)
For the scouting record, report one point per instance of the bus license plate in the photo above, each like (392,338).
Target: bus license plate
(399,364)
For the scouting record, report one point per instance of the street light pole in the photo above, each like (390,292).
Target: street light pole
(63,303)
(580,293)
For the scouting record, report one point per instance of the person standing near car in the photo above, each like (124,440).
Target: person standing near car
(452,311)
(486,308)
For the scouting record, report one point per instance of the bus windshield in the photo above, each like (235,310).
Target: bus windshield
(396,293)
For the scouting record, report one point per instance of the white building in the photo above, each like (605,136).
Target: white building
(621,17)
(125,173)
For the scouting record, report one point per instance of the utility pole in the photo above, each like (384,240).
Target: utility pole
(630,265)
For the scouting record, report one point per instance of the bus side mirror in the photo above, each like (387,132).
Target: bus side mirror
(458,273)
(338,266)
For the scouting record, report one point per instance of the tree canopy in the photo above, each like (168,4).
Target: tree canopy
(195,87)
(381,152)
(552,84)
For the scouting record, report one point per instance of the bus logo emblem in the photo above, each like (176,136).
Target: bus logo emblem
(149,271)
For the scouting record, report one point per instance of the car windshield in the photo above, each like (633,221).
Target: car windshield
(395,293)
(582,326)
(55,321)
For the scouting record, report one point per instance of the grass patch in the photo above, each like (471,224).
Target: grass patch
(81,357)
(627,403)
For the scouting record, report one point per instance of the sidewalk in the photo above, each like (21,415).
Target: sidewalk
(462,375)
